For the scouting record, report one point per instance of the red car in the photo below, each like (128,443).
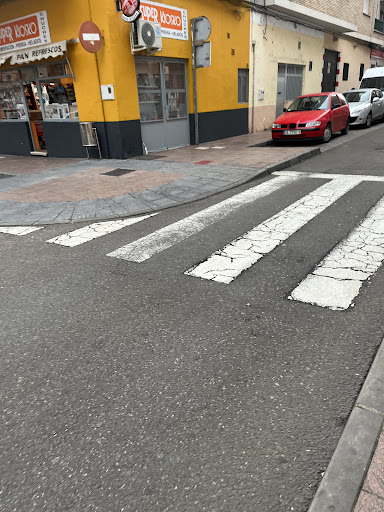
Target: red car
(313,116)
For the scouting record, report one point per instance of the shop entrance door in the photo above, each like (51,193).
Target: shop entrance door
(33,101)
(329,71)
(163,103)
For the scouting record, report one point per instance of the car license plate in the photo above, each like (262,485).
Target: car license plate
(292,132)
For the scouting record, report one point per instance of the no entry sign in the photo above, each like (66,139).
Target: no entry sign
(90,37)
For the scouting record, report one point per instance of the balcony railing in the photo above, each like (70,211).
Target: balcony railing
(379,26)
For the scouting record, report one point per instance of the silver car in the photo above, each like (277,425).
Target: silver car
(365,105)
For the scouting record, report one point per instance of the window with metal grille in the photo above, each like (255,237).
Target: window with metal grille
(243,81)
(293,78)
(345,71)
(361,71)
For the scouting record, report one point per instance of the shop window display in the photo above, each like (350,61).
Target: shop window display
(59,99)
(11,102)
(149,87)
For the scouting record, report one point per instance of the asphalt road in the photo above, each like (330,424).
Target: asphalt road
(134,387)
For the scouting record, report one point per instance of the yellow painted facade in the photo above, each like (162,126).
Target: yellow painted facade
(114,63)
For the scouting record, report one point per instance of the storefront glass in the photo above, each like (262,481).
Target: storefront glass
(163,102)
(149,87)
(11,102)
(37,94)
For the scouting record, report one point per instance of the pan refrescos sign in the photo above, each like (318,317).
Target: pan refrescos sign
(24,33)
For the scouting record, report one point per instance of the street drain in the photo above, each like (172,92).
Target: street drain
(6,176)
(118,172)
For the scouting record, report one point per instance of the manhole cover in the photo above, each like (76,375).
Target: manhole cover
(6,176)
(118,172)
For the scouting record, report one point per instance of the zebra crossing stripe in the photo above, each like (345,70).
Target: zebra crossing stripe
(324,176)
(19,230)
(96,230)
(337,280)
(164,238)
(226,264)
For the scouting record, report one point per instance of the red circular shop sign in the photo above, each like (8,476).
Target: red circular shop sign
(129,7)
(90,37)
(130,10)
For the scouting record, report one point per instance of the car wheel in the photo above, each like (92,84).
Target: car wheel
(327,136)
(368,121)
(346,129)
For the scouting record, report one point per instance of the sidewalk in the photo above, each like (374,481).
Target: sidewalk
(372,495)
(38,190)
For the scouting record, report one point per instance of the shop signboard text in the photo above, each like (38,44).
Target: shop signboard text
(24,33)
(173,20)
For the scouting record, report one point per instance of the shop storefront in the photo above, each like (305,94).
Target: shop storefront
(137,100)
(163,102)
(36,95)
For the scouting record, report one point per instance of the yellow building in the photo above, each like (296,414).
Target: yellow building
(49,83)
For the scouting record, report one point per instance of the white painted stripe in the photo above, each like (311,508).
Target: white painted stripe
(319,175)
(202,148)
(168,236)
(96,230)
(91,37)
(218,147)
(19,230)
(225,265)
(337,280)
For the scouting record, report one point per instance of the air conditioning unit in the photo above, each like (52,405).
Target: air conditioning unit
(146,35)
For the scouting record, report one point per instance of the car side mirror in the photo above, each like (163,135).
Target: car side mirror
(375,99)
(285,110)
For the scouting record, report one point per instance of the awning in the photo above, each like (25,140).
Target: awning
(36,53)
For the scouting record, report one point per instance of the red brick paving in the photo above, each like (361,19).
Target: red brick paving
(33,164)
(90,184)
(236,152)
(372,496)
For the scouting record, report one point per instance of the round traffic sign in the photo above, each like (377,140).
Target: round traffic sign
(90,37)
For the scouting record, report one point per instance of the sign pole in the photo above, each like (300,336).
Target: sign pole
(193,20)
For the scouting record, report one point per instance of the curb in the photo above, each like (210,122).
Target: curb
(343,479)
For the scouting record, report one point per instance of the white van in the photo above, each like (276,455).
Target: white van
(373,78)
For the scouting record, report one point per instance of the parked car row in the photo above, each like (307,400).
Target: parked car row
(319,116)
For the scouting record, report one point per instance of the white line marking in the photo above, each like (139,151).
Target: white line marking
(19,230)
(96,230)
(168,236)
(91,37)
(226,264)
(337,280)
(218,147)
(319,175)
(202,148)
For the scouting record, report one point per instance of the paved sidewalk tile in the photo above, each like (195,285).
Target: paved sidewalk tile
(371,498)
(90,185)
(369,503)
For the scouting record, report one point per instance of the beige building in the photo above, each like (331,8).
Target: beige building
(306,46)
